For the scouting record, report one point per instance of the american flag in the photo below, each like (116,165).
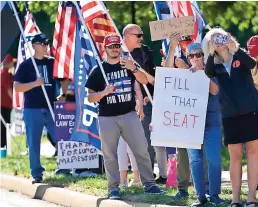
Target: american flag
(97,22)
(85,128)
(30,29)
(174,9)
(189,8)
(64,41)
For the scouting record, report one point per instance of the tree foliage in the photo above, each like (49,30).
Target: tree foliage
(238,17)
(243,14)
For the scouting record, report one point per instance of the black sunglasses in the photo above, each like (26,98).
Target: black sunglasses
(198,55)
(41,43)
(137,35)
(114,46)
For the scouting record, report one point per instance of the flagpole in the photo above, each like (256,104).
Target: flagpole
(124,45)
(91,42)
(33,60)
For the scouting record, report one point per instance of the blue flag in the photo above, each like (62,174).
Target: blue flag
(163,12)
(85,128)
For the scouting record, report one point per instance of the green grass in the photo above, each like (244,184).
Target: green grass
(19,165)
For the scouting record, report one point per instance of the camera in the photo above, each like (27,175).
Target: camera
(220,39)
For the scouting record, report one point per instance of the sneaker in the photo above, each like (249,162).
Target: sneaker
(200,202)
(161,180)
(154,175)
(63,172)
(216,200)
(114,195)
(123,185)
(133,183)
(180,194)
(154,190)
(37,180)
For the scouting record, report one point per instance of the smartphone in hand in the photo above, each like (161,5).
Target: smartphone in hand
(124,55)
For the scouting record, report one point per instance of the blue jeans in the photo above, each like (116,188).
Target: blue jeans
(212,144)
(35,120)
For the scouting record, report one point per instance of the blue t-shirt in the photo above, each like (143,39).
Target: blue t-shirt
(213,113)
(26,73)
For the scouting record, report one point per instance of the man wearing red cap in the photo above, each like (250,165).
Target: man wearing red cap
(117,115)
(6,93)
(252,45)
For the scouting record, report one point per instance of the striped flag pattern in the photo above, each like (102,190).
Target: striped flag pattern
(30,29)
(97,21)
(85,128)
(64,41)
(188,8)
(174,9)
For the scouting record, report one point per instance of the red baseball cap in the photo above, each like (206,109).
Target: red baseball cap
(252,46)
(111,40)
(9,58)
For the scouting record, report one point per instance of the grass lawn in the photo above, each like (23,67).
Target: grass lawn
(19,165)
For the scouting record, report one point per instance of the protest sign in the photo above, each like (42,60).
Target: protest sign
(18,125)
(64,120)
(162,29)
(76,155)
(179,108)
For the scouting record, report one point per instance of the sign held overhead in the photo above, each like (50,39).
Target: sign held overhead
(162,29)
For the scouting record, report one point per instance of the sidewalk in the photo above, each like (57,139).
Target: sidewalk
(62,196)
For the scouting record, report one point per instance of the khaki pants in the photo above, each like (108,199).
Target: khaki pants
(130,128)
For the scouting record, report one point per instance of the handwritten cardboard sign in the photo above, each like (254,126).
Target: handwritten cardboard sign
(162,29)
(76,155)
(179,108)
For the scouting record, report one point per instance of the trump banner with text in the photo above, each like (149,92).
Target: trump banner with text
(179,108)
(85,128)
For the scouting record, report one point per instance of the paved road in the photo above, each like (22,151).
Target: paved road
(13,199)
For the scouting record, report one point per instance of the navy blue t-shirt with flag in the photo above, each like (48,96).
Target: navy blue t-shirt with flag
(26,73)
(122,100)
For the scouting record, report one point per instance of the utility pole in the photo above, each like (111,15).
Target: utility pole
(133,12)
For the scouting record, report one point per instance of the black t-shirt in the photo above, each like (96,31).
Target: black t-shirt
(122,100)
(26,73)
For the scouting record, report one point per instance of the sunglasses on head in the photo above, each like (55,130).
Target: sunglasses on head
(41,43)
(137,35)
(198,55)
(114,46)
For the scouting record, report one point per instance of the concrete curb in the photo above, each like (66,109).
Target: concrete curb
(62,196)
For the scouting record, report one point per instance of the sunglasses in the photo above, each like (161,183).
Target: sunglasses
(137,35)
(198,55)
(114,46)
(41,43)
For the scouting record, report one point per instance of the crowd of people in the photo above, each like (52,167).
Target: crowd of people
(125,111)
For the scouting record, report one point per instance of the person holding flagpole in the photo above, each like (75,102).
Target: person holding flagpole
(117,115)
(36,111)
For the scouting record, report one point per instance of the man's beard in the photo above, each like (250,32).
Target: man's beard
(113,56)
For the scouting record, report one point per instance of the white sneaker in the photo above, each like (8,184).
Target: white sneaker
(132,183)
(123,185)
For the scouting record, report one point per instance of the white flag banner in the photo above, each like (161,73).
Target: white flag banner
(179,108)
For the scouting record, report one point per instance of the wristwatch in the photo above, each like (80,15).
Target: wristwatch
(135,70)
